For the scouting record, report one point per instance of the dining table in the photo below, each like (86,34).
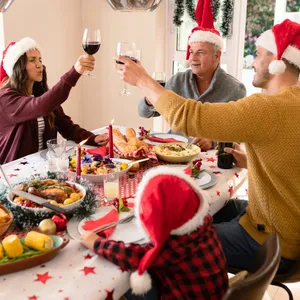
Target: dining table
(77,272)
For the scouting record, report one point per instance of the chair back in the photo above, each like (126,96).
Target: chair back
(263,270)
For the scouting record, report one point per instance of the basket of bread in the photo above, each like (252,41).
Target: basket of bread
(130,146)
(6,218)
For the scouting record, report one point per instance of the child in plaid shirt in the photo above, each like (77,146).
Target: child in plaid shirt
(184,256)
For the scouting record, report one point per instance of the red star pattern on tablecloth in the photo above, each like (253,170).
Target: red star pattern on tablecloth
(218,193)
(88,256)
(43,277)
(212,167)
(88,270)
(217,172)
(67,298)
(236,175)
(60,291)
(33,298)
(230,190)
(12,175)
(24,163)
(123,269)
(109,295)
(17,169)
(212,159)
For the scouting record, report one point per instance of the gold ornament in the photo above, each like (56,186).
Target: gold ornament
(47,226)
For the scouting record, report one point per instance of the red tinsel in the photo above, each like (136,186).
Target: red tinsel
(61,221)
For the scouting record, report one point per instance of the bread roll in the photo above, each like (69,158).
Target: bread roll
(130,149)
(130,133)
(121,145)
(134,142)
(118,136)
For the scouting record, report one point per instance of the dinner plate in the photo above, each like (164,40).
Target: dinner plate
(98,178)
(35,260)
(177,137)
(128,232)
(205,180)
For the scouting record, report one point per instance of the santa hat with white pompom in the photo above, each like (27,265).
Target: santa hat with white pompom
(167,203)
(283,40)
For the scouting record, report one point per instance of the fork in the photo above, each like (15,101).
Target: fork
(109,225)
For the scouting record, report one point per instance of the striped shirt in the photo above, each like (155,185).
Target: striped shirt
(41,130)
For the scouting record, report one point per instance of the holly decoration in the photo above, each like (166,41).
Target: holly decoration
(227,17)
(196,166)
(143,133)
(121,205)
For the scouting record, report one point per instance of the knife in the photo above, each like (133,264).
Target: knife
(38,200)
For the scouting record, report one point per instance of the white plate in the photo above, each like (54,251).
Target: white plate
(205,180)
(94,178)
(177,137)
(128,232)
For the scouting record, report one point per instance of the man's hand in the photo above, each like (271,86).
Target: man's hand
(85,63)
(240,157)
(101,139)
(204,144)
(88,239)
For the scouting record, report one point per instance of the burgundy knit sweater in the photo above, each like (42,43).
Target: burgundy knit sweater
(18,119)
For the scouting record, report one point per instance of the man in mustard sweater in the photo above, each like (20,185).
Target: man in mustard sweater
(268,125)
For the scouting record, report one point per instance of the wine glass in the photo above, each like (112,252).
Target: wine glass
(160,77)
(91,42)
(127,49)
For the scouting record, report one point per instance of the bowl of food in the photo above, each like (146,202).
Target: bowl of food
(6,218)
(67,194)
(95,168)
(176,153)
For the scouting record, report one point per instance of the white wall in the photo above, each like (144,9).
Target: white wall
(57,25)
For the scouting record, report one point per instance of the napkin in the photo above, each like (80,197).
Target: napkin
(112,216)
(100,151)
(162,140)
(188,170)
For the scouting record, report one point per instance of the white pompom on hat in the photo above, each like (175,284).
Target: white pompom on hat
(15,51)
(205,31)
(167,203)
(283,40)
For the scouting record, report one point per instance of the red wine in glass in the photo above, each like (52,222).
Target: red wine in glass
(132,58)
(161,82)
(91,47)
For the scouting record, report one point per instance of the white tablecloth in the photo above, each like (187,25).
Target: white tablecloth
(73,273)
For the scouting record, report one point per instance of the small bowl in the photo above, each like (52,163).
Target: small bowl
(5,226)
(176,158)
(68,208)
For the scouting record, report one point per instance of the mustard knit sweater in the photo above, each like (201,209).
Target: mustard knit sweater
(270,128)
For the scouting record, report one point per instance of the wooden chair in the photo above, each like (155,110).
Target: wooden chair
(263,270)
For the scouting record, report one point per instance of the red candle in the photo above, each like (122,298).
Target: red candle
(111,142)
(78,160)
(78,157)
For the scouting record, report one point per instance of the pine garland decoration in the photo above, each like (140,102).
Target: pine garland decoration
(178,12)
(190,7)
(25,218)
(215,8)
(226,25)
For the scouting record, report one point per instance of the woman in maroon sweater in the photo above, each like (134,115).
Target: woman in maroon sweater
(30,114)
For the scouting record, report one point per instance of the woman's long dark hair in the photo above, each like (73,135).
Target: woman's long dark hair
(18,82)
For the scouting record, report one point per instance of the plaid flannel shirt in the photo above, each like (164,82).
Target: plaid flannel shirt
(188,267)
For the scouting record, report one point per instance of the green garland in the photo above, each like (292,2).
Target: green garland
(26,218)
(190,7)
(215,8)
(226,25)
(178,12)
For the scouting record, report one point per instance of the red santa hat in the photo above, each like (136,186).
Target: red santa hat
(13,52)
(283,40)
(167,203)
(205,31)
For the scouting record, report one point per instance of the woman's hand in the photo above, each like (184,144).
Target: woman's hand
(88,239)
(240,157)
(101,139)
(85,63)
(204,144)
